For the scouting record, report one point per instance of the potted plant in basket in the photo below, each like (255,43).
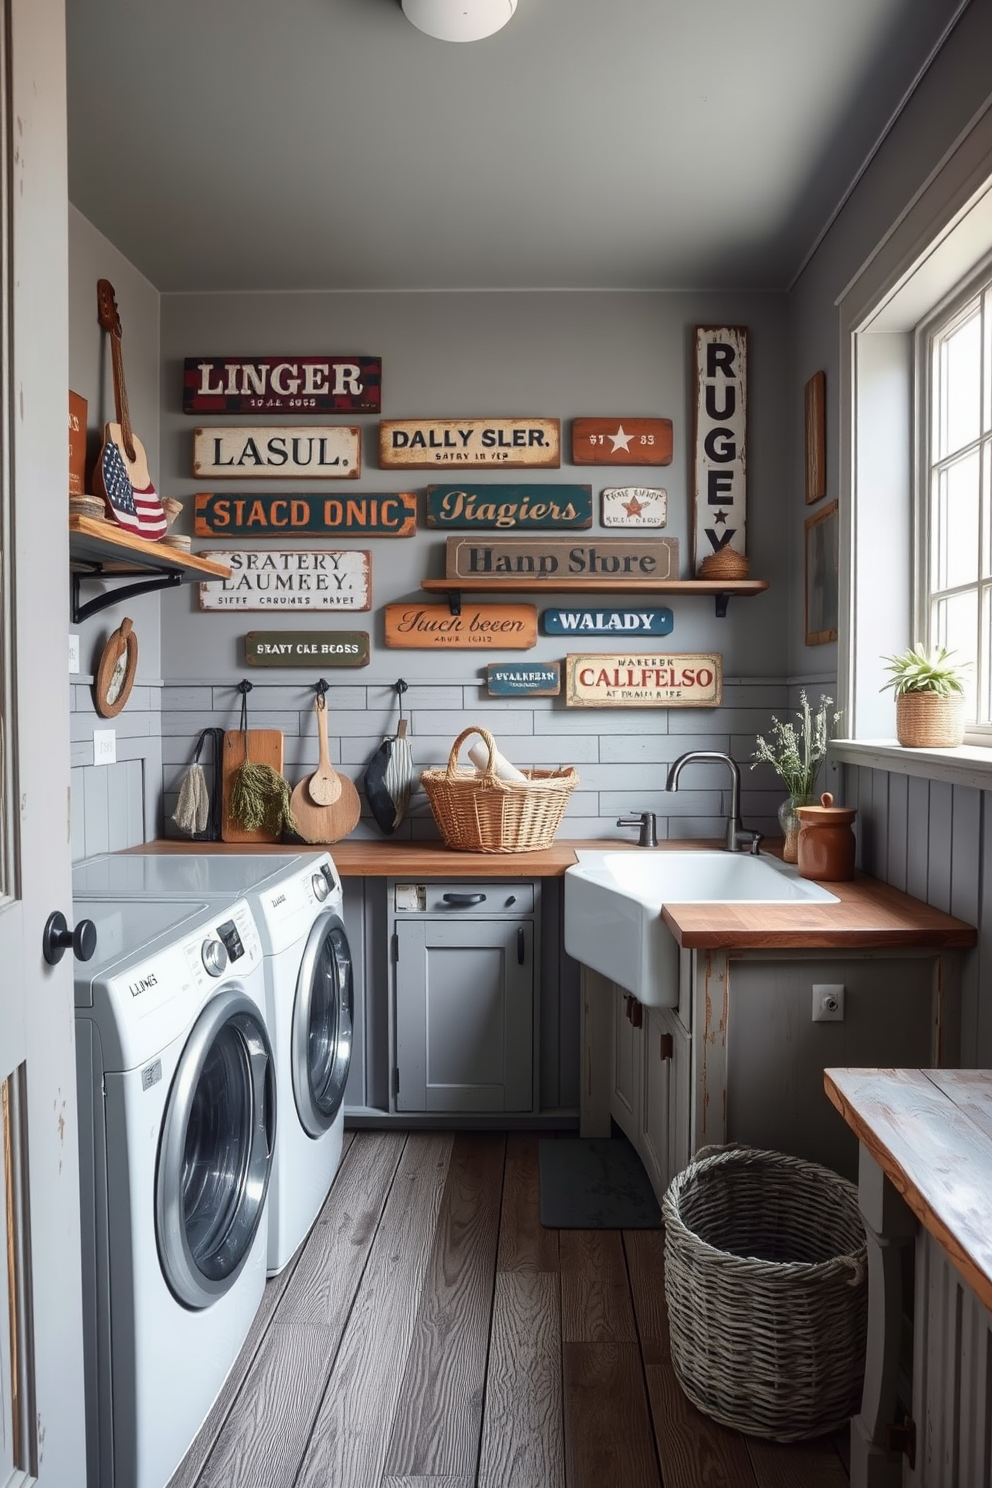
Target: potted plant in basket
(796,756)
(929,689)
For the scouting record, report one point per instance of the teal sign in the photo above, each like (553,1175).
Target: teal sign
(531,679)
(509,508)
(627,623)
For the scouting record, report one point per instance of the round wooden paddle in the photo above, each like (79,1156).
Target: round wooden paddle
(324,784)
(331,822)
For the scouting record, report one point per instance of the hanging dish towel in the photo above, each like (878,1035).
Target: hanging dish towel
(198,809)
(390,777)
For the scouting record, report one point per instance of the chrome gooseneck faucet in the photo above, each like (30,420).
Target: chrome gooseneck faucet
(737,834)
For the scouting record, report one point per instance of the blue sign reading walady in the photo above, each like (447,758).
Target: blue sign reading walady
(608,622)
(531,679)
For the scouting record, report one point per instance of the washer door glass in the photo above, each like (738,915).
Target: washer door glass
(322,1025)
(215,1153)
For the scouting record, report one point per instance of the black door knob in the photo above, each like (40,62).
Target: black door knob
(57,938)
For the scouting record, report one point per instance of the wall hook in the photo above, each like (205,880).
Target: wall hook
(321,687)
(245,687)
(402,687)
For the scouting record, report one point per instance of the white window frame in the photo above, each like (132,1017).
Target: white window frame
(936,243)
(977,285)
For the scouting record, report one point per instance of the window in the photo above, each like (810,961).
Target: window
(954,488)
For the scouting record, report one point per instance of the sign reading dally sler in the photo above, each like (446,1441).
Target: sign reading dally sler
(498,443)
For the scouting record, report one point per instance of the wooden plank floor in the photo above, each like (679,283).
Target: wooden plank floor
(432,1334)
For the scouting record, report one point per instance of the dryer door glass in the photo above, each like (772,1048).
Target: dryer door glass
(216,1151)
(322,1025)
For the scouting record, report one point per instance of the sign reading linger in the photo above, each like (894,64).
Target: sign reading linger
(302,384)
(623,681)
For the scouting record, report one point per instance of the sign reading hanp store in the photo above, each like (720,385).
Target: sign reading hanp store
(623,681)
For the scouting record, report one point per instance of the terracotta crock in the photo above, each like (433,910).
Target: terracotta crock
(826,840)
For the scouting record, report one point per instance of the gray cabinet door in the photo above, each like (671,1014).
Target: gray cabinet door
(464,1015)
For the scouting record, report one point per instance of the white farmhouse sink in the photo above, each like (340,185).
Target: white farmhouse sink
(613,907)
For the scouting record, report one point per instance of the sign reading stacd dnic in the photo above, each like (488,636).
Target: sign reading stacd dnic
(303,384)
(524,679)
(628,623)
(383,514)
(529,507)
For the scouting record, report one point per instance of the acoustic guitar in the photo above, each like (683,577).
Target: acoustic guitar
(121,476)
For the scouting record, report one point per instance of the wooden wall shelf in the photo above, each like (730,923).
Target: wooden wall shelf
(99,551)
(720,589)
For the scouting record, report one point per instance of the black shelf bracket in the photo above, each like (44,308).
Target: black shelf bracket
(721,605)
(455,601)
(160,578)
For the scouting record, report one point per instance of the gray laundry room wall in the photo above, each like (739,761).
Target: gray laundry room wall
(482,354)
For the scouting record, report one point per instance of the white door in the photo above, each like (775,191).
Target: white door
(41,1430)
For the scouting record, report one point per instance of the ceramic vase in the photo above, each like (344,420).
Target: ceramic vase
(789,821)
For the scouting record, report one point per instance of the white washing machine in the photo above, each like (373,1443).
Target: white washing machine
(177,1106)
(296,901)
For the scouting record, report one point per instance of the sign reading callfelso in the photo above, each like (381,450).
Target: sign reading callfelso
(624,681)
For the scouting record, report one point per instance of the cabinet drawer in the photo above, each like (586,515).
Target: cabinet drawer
(488,897)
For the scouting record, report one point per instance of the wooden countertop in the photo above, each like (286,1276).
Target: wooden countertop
(930,1131)
(869,914)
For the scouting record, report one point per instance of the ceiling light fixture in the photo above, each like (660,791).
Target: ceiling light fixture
(459,20)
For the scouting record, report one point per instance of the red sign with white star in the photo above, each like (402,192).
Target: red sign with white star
(621,441)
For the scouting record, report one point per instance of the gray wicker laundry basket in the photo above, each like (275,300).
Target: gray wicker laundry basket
(766,1282)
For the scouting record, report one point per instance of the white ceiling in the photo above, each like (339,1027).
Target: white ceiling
(328,144)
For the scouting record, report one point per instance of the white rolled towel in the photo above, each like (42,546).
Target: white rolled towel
(479,755)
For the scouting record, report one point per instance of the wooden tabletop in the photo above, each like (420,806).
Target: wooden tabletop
(869,913)
(930,1131)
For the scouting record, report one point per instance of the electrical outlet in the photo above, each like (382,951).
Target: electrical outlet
(74,653)
(105,746)
(828,1002)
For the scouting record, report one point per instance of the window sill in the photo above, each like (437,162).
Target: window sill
(969,764)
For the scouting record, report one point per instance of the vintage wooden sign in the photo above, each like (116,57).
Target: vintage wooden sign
(379,514)
(720,440)
(530,507)
(524,679)
(634,506)
(426,444)
(555,559)
(628,623)
(623,681)
(298,648)
(300,384)
(290,579)
(626,441)
(500,627)
(306,452)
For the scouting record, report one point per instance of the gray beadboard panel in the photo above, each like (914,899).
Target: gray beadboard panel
(743,694)
(81,753)
(624,749)
(190,724)
(866,816)
(880,820)
(141,823)
(721,720)
(966,859)
(126,725)
(918,839)
(939,855)
(649,776)
(898,830)
(449,725)
(189,699)
(418,695)
(96,787)
(976,1025)
(680,803)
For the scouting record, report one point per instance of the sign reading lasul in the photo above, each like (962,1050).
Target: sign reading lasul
(721,434)
(497,627)
(306,452)
(301,384)
(307,648)
(379,514)
(623,681)
(554,559)
(425,444)
(524,679)
(285,579)
(531,507)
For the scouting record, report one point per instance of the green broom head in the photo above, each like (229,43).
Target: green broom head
(260,800)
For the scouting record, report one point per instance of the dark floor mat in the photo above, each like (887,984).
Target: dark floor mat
(595,1184)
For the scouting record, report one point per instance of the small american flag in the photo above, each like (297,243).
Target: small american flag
(139,512)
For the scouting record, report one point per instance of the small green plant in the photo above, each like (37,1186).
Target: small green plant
(919,670)
(796,754)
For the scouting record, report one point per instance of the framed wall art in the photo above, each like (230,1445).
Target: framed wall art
(814,430)
(821,575)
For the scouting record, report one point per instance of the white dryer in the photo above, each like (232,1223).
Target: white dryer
(296,901)
(177,1109)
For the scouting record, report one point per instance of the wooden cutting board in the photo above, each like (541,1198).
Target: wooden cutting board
(264,748)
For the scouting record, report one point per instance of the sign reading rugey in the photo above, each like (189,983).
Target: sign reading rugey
(624,681)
